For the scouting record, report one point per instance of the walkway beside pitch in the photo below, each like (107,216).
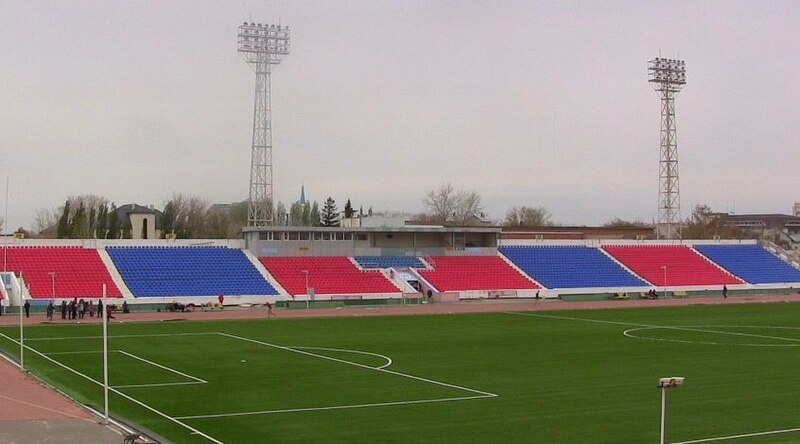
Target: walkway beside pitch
(33,413)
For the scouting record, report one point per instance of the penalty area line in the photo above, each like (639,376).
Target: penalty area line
(743,435)
(334,407)
(356,364)
(191,429)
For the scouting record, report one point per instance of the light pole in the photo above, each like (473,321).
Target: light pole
(308,305)
(53,280)
(664,267)
(668,77)
(664,384)
(262,46)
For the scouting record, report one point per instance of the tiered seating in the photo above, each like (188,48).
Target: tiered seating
(326,275)
(683,265)
(389,261)
(570,266)
(751,262)
(79,272)
(188,271)
(461,273)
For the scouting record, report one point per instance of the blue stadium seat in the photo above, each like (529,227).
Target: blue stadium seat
(188,271)
(570,266)
(751,262)
(389,261)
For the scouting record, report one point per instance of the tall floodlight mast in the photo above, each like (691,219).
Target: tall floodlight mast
(668,76)
(262,46)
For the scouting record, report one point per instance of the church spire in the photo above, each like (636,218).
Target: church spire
(302,195)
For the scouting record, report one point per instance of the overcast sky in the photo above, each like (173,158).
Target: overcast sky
(528,103)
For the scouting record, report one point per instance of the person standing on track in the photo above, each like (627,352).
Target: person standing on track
(27,307)
(50,310)
(724,292)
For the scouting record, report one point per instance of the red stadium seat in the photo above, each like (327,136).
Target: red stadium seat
(326,275)
(683,265)
(79,272)
(463,273)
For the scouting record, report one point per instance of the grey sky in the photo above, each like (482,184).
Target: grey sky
(529,103)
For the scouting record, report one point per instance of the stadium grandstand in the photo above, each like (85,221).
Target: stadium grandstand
(751,263)
(188,271)
(570,266)
(671,265)
(385,264)
(62,271)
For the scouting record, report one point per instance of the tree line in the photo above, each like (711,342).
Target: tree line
(191,217)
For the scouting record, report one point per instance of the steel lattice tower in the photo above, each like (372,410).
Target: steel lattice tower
(262,46)
(668,76)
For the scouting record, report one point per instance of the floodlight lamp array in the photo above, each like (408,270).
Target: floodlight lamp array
(670,72)
(264,38)
(670,382)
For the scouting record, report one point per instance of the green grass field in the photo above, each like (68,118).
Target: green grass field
(545,377)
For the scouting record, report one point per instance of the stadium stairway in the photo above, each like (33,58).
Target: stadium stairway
(684,266)
(189,271)
(392,273)
(265,273)
(114,273)
(473,276)
(328,275)
(752,263)
(572,268)
(79,271)
(521,271)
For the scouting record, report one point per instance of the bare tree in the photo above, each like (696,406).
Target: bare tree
(445,204)
(468,205)
(528,217)
(621,223)
(186,216)
(440,203)
(706,224)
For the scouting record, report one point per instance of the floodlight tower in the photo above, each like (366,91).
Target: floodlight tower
(262,46)
(668,76)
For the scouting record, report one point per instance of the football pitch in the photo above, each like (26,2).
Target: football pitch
(540,376)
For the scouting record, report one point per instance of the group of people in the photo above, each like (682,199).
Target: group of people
(77,309)
(652,294)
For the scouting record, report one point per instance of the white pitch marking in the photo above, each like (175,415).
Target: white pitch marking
(356,364)
(130,398)
(84,352)
(744,435)
(629,334)
(388,359)
(682,328)
(150,335)
(163,367)
(569,318)
(158,384)
(335,407)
